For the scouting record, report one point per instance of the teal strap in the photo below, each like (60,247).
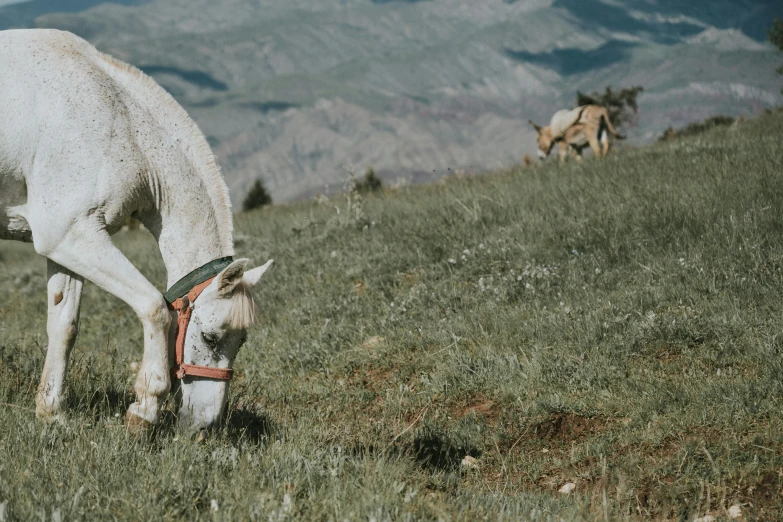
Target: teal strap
(198,276)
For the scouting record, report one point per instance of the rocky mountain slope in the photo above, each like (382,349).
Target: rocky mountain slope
(299,92)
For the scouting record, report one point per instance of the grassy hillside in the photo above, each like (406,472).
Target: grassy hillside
(615,324)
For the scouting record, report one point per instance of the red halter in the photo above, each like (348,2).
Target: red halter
(184,308)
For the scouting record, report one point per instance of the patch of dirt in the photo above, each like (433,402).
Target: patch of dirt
(479,406)
(411,279)
(375,378)
(567,427)
(765,496)
(667,353)
(548,438)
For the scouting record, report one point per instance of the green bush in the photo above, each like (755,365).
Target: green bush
(370,183)
(776,38)
(696,128)
(622,105)
(257,197)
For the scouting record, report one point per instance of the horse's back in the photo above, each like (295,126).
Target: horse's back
(67,126)
(53,89)
(564,119)
(32,57)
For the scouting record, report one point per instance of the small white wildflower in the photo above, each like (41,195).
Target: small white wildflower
(469,462)
(466,252)
(567,488)
(464,258)
(213,504)
(287,503)
(597,270)
(682,261)
(735,511)
(481,284)
(481,246)
(651,316)
(452,261)
(519,278)
(333,254)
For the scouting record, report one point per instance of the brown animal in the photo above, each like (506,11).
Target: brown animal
(573,130)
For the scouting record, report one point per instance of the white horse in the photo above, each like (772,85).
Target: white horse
(85,142)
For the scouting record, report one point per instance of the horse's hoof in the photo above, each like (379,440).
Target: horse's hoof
(137,425)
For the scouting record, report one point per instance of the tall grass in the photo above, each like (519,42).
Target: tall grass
(614,324)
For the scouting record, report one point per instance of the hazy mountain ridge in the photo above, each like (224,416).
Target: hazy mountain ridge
(297,92)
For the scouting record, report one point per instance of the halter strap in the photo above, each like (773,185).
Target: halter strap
(183,305)
(199,275)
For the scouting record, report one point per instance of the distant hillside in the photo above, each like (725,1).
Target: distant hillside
(297,92)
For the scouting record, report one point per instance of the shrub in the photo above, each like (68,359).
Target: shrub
(696,127)
(370,183)
(776,38)
(621,105)
(257,197)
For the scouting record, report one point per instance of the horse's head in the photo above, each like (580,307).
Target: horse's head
(218,327)
(545,140)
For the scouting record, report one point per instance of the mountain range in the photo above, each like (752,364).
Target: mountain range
(301,92)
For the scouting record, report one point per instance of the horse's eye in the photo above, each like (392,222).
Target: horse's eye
(210,338)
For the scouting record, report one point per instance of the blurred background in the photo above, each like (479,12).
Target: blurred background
(299,92)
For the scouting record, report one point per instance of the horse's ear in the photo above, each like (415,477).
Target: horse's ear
(537,127)
(230,277)
(251,277)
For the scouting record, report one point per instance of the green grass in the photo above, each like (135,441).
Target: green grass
(615,324)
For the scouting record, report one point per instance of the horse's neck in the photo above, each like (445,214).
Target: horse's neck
(192,212)
(190,234)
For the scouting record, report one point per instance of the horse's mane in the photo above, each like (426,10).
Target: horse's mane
(176,122)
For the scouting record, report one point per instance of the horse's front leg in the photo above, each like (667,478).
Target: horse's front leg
(63,296)
(562,151)
(87,250)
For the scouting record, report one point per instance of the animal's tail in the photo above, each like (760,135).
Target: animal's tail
(609,126)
